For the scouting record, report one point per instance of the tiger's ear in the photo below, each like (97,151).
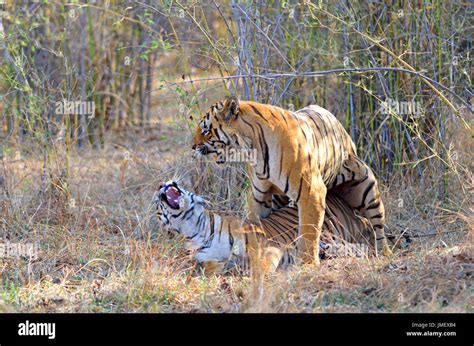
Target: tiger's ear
(231,109)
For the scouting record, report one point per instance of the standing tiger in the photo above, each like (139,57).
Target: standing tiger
(223,241)
(299,154)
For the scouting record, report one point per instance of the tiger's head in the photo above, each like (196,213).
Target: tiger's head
(215,133)
(177,207)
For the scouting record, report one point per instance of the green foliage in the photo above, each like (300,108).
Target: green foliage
(122,58)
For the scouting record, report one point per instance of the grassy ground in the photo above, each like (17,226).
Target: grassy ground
(103,251)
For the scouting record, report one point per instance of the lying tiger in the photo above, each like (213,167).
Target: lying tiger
(221,242)
(301,155)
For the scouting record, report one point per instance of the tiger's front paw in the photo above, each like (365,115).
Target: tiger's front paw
(212,267)
(308,254)
(387,251)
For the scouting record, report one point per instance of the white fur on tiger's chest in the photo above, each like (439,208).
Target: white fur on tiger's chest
(220,249)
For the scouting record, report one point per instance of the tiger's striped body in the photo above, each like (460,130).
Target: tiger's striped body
(223,241)
(299,154)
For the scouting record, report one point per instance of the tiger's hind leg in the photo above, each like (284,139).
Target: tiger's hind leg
(357,185)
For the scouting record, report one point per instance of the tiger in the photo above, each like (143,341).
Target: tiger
(222,242)
(301,155)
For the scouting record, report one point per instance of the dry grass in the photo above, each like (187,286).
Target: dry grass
(104,252)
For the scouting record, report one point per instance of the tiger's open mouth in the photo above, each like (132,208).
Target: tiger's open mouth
(171,195)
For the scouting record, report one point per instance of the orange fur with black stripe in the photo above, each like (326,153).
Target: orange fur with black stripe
(301,155)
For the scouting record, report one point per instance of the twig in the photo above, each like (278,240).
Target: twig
(266,36)
(430,82)
(271,76)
